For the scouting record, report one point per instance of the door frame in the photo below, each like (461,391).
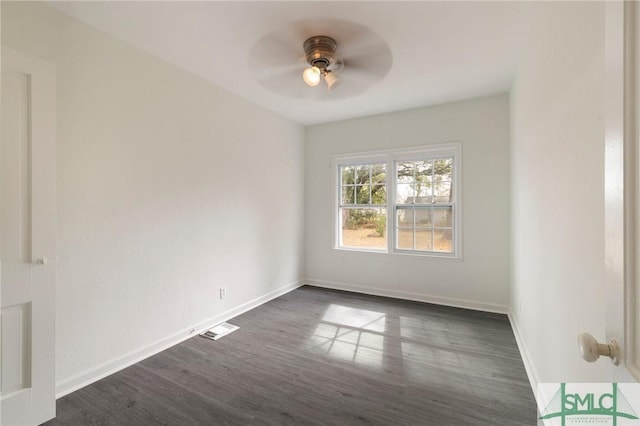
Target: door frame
(621,182)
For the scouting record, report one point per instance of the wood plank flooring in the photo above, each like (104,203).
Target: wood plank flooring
(323,357)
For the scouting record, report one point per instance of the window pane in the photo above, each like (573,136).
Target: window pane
(424,189)
(404,217)
(423,169)
(347,175)
(378,173)
(348,195)
(424,239)
(362,194)
(405,239)
(443,168)
(404,171)
(443,240)
(362,174)
(442,192)
(364,228)
(379,194)
(424,179)
(404,193)
(423,218)
(443,217)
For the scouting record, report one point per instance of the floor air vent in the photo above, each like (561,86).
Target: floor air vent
(219,331)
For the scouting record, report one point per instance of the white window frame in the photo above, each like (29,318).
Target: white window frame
(352,160)
(390,157)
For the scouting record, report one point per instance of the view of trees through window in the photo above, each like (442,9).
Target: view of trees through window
(419,202)
(363,205)
(424,209)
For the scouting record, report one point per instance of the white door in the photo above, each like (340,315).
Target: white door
(622,211)
(27,239)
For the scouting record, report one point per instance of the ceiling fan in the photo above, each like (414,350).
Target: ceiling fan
(321,61)
(322,49)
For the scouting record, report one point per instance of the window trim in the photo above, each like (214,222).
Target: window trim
(350,160)
(390,157)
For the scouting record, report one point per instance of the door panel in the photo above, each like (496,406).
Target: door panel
(16,192)
(16,344)
(27,231)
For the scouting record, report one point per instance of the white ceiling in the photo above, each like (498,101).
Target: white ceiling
(440,51)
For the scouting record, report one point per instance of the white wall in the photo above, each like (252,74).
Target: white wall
(557,155)
(152,219)
(481,279)
(168,188)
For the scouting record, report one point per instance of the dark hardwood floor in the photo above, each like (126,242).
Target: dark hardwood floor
(324,357)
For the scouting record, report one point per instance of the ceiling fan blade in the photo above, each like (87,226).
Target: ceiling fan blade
(354,36)
(290,84)
(375,65)
(305,28)
(353,83)
(274,50)
(277,68)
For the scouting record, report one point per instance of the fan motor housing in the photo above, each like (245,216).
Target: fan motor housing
(320,51)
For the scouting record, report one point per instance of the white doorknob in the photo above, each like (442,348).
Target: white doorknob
(41,261)
(591,350)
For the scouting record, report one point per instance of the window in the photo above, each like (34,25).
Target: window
(424,205)
(415,208)
(363,205)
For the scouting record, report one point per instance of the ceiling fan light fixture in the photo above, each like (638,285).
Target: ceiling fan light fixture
(320,49)
(320,56)
(331,79)
(311,76)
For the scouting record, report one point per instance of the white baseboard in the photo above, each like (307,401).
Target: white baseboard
(92,375)
(529,367)
(416,297)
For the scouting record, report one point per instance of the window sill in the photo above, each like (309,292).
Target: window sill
(432,256)
(427,256)
(362,250)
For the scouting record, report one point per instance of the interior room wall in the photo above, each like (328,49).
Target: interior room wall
(481,279)
(168,189)
(557,159)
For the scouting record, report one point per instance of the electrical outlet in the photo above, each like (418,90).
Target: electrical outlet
(223,292)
